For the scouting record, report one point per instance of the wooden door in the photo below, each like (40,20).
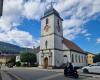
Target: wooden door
(46,63)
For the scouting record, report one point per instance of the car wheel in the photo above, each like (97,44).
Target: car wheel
(85,71)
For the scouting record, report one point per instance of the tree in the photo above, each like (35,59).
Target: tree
(97,58)
(28,58)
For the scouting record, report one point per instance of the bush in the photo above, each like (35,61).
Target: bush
(18,63)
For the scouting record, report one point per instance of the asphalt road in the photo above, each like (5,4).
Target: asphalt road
(26,74)
(35,74)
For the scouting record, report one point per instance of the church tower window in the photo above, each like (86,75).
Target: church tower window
(46,28)
(58,26)
(47,21)
(46,43)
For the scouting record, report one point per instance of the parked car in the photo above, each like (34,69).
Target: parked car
(10,65)
(93,68)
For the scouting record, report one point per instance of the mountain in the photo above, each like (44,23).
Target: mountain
(7,48)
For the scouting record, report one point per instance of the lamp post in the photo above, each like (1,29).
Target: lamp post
(1,7)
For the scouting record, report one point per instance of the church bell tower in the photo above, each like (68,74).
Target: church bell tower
(51,39)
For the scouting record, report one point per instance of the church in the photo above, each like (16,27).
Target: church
(55,50)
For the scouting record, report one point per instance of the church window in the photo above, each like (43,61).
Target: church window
(65,59)
(46,43)
(76,58)
(58,25)
(47,21)
(72,58)
(65,55)
(82,59)
(46,28)
(79,59)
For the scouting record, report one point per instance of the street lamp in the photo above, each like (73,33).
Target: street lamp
(1,7)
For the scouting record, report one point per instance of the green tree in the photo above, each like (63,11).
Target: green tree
(97,58)
(28,58)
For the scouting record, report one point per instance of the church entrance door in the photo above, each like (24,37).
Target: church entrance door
(45,62)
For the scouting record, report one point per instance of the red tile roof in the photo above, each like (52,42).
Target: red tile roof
(72,46)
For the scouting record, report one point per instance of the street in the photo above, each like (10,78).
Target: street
(40,74)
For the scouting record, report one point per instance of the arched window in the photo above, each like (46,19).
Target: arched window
(79,59)
(72,58)
(65,59)
(76,58)
(82,59)
(46,44)
(47,21)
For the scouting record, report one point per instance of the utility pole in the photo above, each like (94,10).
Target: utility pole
(1,7)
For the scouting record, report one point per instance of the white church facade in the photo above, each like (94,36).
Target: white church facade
(55,50)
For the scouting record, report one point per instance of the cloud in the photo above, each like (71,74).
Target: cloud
(33,10)
(12,17)
(74,12)
(98,40)
(20,38)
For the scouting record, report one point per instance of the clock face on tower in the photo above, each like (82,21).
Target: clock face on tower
(46,28)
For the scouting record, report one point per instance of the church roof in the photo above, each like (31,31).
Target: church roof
(51,11)
(72,46)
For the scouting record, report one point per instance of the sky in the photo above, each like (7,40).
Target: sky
(20,23)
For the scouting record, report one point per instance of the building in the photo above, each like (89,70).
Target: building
(55,50)
(8,51)
(5,58)
(90,57)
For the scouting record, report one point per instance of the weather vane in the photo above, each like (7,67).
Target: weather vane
(52,3)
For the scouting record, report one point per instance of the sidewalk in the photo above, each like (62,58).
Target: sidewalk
(5,76)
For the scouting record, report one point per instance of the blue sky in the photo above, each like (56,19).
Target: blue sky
(20,23)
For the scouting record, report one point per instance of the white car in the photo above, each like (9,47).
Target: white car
(94,68)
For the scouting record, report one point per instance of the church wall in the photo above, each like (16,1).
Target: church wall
(50,42)
(67,53)
(58,58)
(80,60)
(50,24)
(65,47)
(58,42)
(56,26)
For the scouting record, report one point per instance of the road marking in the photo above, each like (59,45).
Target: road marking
(50,77)
(18,78)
